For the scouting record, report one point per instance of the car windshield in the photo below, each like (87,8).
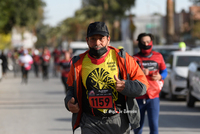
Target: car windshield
(186,60)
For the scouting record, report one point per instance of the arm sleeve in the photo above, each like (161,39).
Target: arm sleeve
(134,88)
(163,69)
(164,73)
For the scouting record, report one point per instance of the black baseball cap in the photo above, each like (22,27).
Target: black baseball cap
(97,28)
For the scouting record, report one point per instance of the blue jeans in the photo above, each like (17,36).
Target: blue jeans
(152,106)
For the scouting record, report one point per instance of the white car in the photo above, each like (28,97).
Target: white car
(176,82)
(78,47)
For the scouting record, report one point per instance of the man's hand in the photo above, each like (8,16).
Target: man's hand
(74,108)
(120,85)
(156,76)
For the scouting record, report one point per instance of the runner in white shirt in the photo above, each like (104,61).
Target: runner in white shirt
(25,61)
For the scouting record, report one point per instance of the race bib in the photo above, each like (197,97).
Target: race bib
(101,99)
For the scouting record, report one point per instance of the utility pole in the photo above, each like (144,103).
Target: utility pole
(170,21)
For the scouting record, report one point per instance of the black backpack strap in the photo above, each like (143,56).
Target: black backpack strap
(122,53)
(75,59)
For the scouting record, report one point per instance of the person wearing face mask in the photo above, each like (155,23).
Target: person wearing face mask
(153,66)
(102,84)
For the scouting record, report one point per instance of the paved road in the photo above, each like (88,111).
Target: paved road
(35,108)
(38,108)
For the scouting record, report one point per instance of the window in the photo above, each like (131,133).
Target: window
(186,60)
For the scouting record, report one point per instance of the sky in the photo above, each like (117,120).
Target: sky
(58,10)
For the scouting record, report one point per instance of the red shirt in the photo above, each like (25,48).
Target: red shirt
(36,59)
(155,63)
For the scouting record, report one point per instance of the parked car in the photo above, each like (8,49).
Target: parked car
(175,83)
(193,84)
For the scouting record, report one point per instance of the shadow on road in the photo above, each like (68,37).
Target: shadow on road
(64,119)
(55,92)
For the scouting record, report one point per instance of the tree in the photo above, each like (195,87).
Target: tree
(21,13)
(4,40)
(75,28)
(108,11)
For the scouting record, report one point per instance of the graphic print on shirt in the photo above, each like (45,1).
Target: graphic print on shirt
(151,65)
(99,83)
(103,98)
